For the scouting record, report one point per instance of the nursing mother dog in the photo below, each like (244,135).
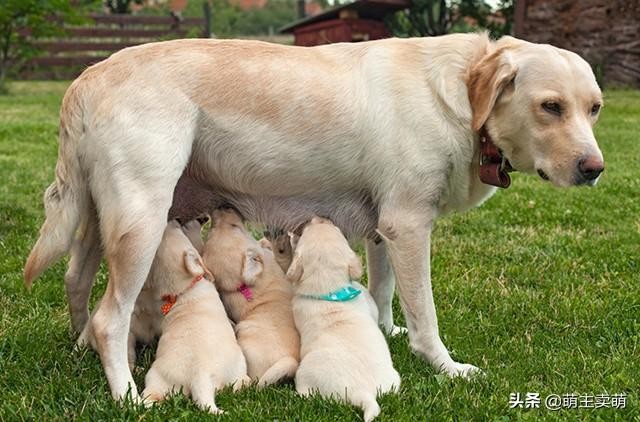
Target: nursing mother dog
(377,136)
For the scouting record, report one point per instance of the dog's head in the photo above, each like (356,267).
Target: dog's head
(177,262)
(323,249)
(539,104)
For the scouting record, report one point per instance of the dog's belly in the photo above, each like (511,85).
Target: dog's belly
(353,211)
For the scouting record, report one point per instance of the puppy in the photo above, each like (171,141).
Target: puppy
(344,353)
(257,296)
(197,351)
(193,230)
(146,319)
(283,243)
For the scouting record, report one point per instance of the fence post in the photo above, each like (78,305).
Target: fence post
(206,8)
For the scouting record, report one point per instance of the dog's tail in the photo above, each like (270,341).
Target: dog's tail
(367,402)
(67,199)
(283,368)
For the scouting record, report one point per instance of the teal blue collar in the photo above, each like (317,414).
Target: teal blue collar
(344,294)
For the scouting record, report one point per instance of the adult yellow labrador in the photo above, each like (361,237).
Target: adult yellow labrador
(377,136)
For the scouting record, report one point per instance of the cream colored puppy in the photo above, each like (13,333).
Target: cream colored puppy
(193,230)
(146,320)
(197,351)
(282,245)
(257,296)
(344,353)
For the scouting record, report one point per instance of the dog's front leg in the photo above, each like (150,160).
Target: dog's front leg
(381,283)
(408,234)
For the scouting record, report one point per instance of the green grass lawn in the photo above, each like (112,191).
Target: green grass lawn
(540,287)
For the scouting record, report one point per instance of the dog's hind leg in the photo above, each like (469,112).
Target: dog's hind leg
(283,368)
(156,388)
(133,201)
(85,257)
(381,285)
(129,257)
(203,392)
(367,402)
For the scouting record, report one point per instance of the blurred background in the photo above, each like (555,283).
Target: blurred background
(57,39)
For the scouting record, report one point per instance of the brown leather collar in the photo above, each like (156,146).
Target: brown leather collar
(494,167)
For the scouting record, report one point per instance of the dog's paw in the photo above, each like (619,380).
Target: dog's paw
(396,330)
(215,411)
(461,370)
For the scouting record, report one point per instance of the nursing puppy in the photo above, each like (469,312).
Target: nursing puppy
(197,351)
(193,230)
(338,327)
(146,320)
(257,296)
(282,244)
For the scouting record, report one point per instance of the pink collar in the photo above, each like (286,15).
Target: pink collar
(246,291)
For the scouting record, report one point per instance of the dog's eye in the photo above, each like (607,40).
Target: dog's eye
(595,109)
(552,107)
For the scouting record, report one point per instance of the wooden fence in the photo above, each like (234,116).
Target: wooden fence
(67,56)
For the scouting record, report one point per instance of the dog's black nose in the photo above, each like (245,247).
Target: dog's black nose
(590,167)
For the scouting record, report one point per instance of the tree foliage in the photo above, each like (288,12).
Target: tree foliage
(22,21)
(439,17)
(120,6)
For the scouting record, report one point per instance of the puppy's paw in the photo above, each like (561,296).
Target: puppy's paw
(149,398)
(242,383)
(462,370)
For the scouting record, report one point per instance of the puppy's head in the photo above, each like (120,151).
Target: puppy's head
(324,252)
(232,254)
(177,263)
(282,245)
(193,230)
(539,104)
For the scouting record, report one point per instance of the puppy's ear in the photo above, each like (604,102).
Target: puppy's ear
(355,267)
(294,273)
(264,243)
(253,265)
(193,263)
(487,81)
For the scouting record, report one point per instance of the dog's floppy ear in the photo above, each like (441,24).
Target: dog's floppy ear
(487,80)
(193,263)
(294,273)
(253,265)
(355,267)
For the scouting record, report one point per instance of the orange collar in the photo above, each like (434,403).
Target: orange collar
(170,300)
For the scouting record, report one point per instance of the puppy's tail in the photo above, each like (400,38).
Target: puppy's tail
(284,368)
(367,402)
(66,200)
